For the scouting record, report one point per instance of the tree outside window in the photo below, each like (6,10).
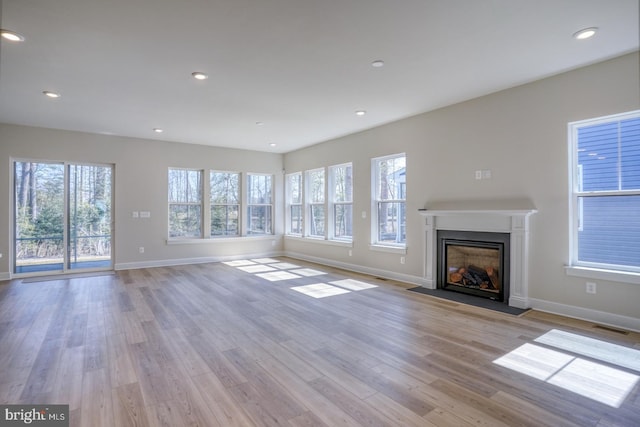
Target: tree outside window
(224,190)
(185,203)
(389,193)
(260,204)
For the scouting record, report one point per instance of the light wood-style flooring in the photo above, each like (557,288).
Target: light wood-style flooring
(234,345)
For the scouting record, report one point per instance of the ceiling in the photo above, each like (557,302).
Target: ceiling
(286,72)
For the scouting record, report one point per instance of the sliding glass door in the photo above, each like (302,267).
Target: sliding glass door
(63,217)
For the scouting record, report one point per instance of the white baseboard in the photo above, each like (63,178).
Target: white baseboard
(5,276)
(187,261)
(407,278)
(595,316)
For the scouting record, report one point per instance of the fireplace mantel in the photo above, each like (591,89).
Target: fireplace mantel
(500,216)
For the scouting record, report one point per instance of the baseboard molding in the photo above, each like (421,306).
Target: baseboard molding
(407,278)
(595,316)
(5,276)
(187,261)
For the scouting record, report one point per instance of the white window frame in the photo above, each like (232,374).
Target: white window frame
(332,203)
(238,204)
(579,268)
(199,204)
(290,203)
(311,204)
(376,243)
(248,230)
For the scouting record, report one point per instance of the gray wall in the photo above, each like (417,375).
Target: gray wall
(519,134)
(140,185)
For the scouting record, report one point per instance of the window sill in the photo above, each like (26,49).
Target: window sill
(343,243)
(220,239)
(388,249)
(603,274)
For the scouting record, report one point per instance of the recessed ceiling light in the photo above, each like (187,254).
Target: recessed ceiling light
(360,113)
(272,144)
(198,75)
(585,33)
(11,36)
(51,94)
(377,63)
(158,130)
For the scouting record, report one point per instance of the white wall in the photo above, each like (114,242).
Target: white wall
(519,134)
(140,185)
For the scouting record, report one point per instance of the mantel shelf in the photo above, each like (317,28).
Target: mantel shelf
(505,212)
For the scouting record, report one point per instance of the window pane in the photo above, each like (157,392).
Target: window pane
(225,188)
(259,187)
(294,182)
(609,156)
(343,215)
(316,186)
(391,222)
(317,221)
(184,186)
(610,231)
(342,183)
(224,220)
(391,174)
(630,150)
(259,219)
(295,226)
(185,220)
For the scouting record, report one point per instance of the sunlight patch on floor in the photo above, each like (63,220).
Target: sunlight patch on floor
(275,276)
(259,268)
(274,270)
(593,348)
(308,272)
(320,290)
(565,369)
(354,285)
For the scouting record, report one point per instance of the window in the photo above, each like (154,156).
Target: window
(259,204)
(315,202)
(341,201)
(225,203)
(606,192)
(294,203)
(185,203)
(389,192)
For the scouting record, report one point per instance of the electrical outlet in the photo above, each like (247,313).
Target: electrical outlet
(591,288)
(0,254)
(478,174)
(141,249)
(350,252)
(402,260)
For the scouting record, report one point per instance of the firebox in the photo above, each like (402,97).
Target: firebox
(475,263)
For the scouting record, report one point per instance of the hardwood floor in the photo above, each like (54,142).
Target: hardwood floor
(231,344)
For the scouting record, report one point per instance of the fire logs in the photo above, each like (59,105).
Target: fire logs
(476,277)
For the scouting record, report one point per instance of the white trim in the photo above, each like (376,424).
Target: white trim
(230,239)
(595,316)
(603,274)
(5,276)
(388,249)
(319,240)
(376,272)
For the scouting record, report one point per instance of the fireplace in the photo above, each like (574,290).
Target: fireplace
(493,217)
(475,263)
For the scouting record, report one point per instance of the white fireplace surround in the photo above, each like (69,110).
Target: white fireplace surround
(503,216)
